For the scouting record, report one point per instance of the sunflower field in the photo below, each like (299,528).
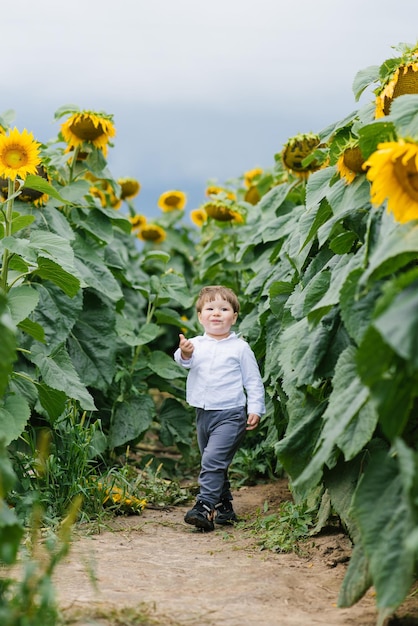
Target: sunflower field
(321,249)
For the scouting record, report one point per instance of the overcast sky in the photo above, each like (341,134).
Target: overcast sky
(198,90)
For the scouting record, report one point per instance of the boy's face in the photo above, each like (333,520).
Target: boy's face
(217,316)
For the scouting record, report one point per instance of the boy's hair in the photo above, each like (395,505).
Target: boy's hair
(208,294)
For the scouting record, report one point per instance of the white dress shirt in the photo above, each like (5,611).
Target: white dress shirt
(223,374)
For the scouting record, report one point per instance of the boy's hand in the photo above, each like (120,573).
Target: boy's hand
(253,421)
(186,347)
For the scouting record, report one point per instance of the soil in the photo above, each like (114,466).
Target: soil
(185,577)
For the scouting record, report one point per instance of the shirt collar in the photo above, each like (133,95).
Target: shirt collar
(231,335)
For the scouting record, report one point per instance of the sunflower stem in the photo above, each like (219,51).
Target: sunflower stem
(74,163)
(7,233)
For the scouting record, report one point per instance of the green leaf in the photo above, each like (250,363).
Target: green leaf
(357,579)
(343,242)
(371,135)
(93,271)
(11,533)
(404,113)
(56,312)
(364,78)
(130,420)
(53,246)
(52,400)
(49,270)
(393,386)
(157,255)
(58,372)
(383,509)
(170,316)
(7,344)
(21,221)
(176,423)
(347,398)
(396,246)
(398,324)
(14,415)
(163,365)
(21,301)
(40,184)
(92,344)
(174,286)
(126,330)
(357,306)
(295,450)
(33,329)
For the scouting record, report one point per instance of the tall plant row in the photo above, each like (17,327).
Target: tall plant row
(321,249)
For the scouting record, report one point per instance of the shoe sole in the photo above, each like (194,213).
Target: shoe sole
(199,523)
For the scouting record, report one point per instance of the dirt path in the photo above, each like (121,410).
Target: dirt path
(191,578)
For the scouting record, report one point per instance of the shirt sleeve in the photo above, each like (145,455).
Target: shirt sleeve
(187,363)
(252,382)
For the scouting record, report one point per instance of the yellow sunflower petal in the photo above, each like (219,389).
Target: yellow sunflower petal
(19,154)
(88,127)
(393,174)
(172,201)
(198,217)
(152,233)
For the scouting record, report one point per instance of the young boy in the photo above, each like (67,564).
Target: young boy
(225,386)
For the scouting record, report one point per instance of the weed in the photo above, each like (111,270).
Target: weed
(283,531)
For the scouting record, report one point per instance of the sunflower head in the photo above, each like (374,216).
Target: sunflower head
(198,217)
(138,221)
(220,211)
(214,190)
(152,233)
(38,198)
(19,154)
(350,163)
(393,173)
(252,195)
(296,150)
(172,201)
(251,176)
(88,127)
(398,76)
(129,188)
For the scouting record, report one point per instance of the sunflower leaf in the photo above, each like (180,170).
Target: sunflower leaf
(37,183)
(404,113)
(364,78)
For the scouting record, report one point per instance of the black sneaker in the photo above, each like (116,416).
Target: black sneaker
(225,513)
(201,516)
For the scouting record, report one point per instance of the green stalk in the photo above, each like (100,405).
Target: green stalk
(7,232)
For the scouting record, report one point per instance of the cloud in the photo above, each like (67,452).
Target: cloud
(198,89)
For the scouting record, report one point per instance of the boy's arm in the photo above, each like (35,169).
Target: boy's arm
(183,354)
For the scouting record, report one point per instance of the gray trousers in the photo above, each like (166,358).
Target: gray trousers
(219,435)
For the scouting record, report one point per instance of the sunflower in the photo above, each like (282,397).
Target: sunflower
(213,190)
(350,164)
(172,201)
(393,172)
(129,188)
(296,150)
(251,175)
(152,232)
(88,127)
(19,154)
(138,221)
(198,217)
(37,198)
(221,212)
(252,195)
(403,80)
